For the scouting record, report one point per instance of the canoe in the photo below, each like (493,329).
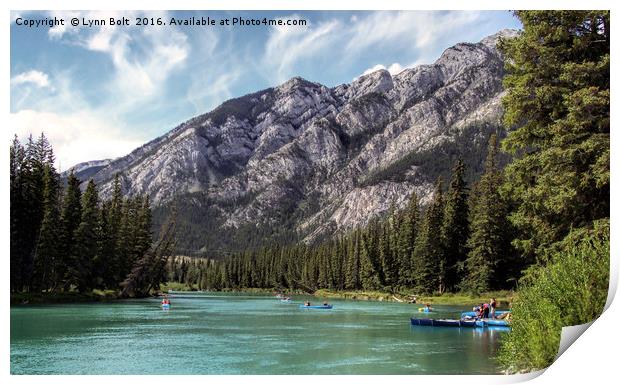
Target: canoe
(315,307)
(165,306)
(443,322)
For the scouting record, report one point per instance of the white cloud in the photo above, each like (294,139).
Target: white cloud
(143,57)
(38,78)
(343,42)
(287,45)
(406,29)
(75,137)
(393,69)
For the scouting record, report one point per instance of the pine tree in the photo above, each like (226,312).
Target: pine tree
(70,220)
(389,266)
(86,241)
(352,273)
(104,263)
(48,249)
(455,227)
(369,258)
(18,218)
(406,241)
(489,241)
(428,256)
(558,89)
(149,271)
(114,221)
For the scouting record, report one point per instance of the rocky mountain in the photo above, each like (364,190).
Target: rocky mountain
(85,170)
(302,161)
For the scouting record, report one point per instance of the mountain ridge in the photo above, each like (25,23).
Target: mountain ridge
(318,160)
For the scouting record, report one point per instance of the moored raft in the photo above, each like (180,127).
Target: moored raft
(443,322)
(462,323)
(488,322)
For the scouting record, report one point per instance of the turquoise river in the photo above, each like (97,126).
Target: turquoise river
(206,333)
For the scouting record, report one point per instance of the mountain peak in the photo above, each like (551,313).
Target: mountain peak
(491,40)
(295,82)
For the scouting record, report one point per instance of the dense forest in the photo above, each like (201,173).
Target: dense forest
(460,242)
(66,240)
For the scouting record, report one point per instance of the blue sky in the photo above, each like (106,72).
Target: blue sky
(100,92)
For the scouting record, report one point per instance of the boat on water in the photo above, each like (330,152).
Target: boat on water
(461,323)
(315,306)
(474,314)
(425,309)
(165,306)
(286,300)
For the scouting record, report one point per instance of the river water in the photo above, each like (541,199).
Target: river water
(206,333)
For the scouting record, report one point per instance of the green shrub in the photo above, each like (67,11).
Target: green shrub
(570,289)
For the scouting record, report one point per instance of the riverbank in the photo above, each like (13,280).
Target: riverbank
(63,297)
(504,297)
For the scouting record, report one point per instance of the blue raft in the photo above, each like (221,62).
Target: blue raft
(462,323)
(315,307)
(443,322)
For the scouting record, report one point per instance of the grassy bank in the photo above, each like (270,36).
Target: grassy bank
(63,297)
(503,297)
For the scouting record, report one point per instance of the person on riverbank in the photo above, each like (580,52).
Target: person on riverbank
(492,305)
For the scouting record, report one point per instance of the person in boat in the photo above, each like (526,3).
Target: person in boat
(485,310)
(480,311)
(427,307)
(492,305)
(307,303)
(325,304)
(165,301)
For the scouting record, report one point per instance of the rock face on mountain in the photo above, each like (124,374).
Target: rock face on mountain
(301,161)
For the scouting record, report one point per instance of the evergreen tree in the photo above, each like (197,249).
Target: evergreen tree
(352,278)
(114,221)
(406,241)
(428,257)
(558,99)
(48,251)
(70,220)
(455,227)
(369,258)
(86,241)
(104,263)
(389,265)
(18,218)
(490,237)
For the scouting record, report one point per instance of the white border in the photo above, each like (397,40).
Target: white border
(592,357)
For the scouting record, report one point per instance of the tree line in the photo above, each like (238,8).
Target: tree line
(63,239)
(460,242)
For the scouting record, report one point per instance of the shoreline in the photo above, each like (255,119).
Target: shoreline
(504,298)
(19,299)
